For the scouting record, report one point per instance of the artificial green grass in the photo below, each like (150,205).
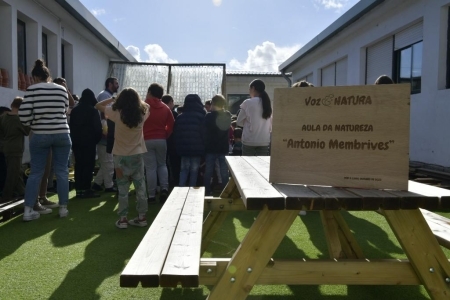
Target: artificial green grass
(82,256)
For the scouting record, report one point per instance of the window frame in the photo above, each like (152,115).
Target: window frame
(45,47)
(397,57)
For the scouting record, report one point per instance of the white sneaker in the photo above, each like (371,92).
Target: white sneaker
(302,213)
(63,212)
(38,207)
(29,214)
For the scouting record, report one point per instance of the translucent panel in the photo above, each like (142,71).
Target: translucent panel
(204,80)
(140,76)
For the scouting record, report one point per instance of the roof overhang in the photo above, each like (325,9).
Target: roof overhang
(85,17)
(352,15)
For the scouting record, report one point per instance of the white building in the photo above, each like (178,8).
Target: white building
(62,32)
(237,85)
(408,40)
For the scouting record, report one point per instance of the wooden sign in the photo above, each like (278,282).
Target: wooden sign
(349,136)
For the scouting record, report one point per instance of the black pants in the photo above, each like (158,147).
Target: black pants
(174,168)
(84,165)
(2,170)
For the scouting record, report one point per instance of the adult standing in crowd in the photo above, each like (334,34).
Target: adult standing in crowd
(157,130)
(44,110)
(173,159)
(129,113)
(85,132)
(3,110)
(255,117)
(106,172)
(188,131)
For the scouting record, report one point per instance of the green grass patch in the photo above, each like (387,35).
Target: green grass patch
(82,256)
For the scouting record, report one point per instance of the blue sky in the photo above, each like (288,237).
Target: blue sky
(248,35)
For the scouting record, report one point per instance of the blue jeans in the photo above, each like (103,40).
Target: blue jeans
(189,168)
(210,161)
(40,145)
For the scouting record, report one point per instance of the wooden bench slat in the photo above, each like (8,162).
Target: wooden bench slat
(182,264)
(262,166)
(300,196)
(147,261)
(432,191)
(439,225)
(336,198)
(255,190)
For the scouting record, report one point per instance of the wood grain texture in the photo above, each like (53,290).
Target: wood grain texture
(147,261)
(440,226)
(322,144)
(422,249)
(183,259)
(255,190)
(317,272)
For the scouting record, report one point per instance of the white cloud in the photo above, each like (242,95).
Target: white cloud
(332,4)
(264,58)
(217,2)
(98,11)
(155,54)
(134,51)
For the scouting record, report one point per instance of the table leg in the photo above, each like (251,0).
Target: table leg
(252,256)
(422,249)
(340,240)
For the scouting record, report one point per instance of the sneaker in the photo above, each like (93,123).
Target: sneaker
(63,212)
(151,200)
(47,203)
(96,187)
(41,209)
(138,222)
(111,190)
(122,223)
(302,213)
(29,214)
(163,196)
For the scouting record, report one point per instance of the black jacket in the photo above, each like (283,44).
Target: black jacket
(215,130)
(188,127)
(85,125)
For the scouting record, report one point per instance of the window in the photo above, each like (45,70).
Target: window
(21,47)
(44,48)
(235,101)
(63,64)
(335,74)
(447,85)
(409,66)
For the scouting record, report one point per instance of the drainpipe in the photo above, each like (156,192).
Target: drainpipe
(287,78)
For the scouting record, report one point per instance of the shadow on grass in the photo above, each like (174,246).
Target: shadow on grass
(91,223)
(373,239)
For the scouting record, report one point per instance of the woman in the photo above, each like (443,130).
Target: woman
(44,110)
(128,113)
(85,132)
(255,117)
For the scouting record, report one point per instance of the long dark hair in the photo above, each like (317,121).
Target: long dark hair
(260,87)
(132,109)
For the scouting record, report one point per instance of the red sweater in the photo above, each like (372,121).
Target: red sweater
(159,124)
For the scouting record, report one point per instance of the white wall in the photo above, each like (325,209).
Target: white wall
(86,64)
(430,121)
(239,84)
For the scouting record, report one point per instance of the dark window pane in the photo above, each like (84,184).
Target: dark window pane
(44,48)
(235,101)
(405,65)
(416,81)
(21,47)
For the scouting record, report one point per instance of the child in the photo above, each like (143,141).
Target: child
(128,113)
(237,147)
(13,146)
(216,126)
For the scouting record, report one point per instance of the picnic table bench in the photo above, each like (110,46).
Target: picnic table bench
(278,206)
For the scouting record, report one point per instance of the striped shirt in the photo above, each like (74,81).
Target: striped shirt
(44,108)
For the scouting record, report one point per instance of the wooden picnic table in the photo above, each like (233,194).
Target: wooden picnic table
(280,204)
